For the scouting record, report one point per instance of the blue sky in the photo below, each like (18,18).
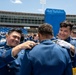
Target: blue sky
(34,6)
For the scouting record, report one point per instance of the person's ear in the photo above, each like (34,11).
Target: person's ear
(6,35)
(38,34)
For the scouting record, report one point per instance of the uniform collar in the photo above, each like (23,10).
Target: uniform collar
(47,41)
(68,39)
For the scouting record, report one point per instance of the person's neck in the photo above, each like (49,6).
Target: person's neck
(44,38)
(8,45)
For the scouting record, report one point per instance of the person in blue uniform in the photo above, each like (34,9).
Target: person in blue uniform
(64,34)
(46,58)
(12,51)
(73,33)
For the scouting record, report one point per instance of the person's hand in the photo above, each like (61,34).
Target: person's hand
(28,45)
(25,45)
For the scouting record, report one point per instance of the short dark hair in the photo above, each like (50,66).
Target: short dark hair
(66,24)
(74,29)
(45,29)
(18,30)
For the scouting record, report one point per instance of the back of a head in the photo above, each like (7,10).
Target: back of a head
(45,29)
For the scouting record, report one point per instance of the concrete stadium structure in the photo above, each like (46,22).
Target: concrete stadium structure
(8,18)
(20,19)
(27,20)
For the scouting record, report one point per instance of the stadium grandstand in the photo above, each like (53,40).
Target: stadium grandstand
(28,22)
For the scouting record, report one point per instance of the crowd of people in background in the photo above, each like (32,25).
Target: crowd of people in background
(39,53)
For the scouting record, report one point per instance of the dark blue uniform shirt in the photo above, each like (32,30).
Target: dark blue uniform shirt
(46,58)
(72,55)
(8,64)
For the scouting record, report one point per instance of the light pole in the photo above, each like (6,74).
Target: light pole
(42,2)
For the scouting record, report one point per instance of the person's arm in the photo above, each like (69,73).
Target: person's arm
(25,45)
(66,45)
(9,55)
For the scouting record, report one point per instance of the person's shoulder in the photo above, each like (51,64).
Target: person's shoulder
(2,43)
(72,37)
(73,40)
(36,50)
(60,49)
(65,52)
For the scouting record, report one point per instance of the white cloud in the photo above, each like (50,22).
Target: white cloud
(16,1)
